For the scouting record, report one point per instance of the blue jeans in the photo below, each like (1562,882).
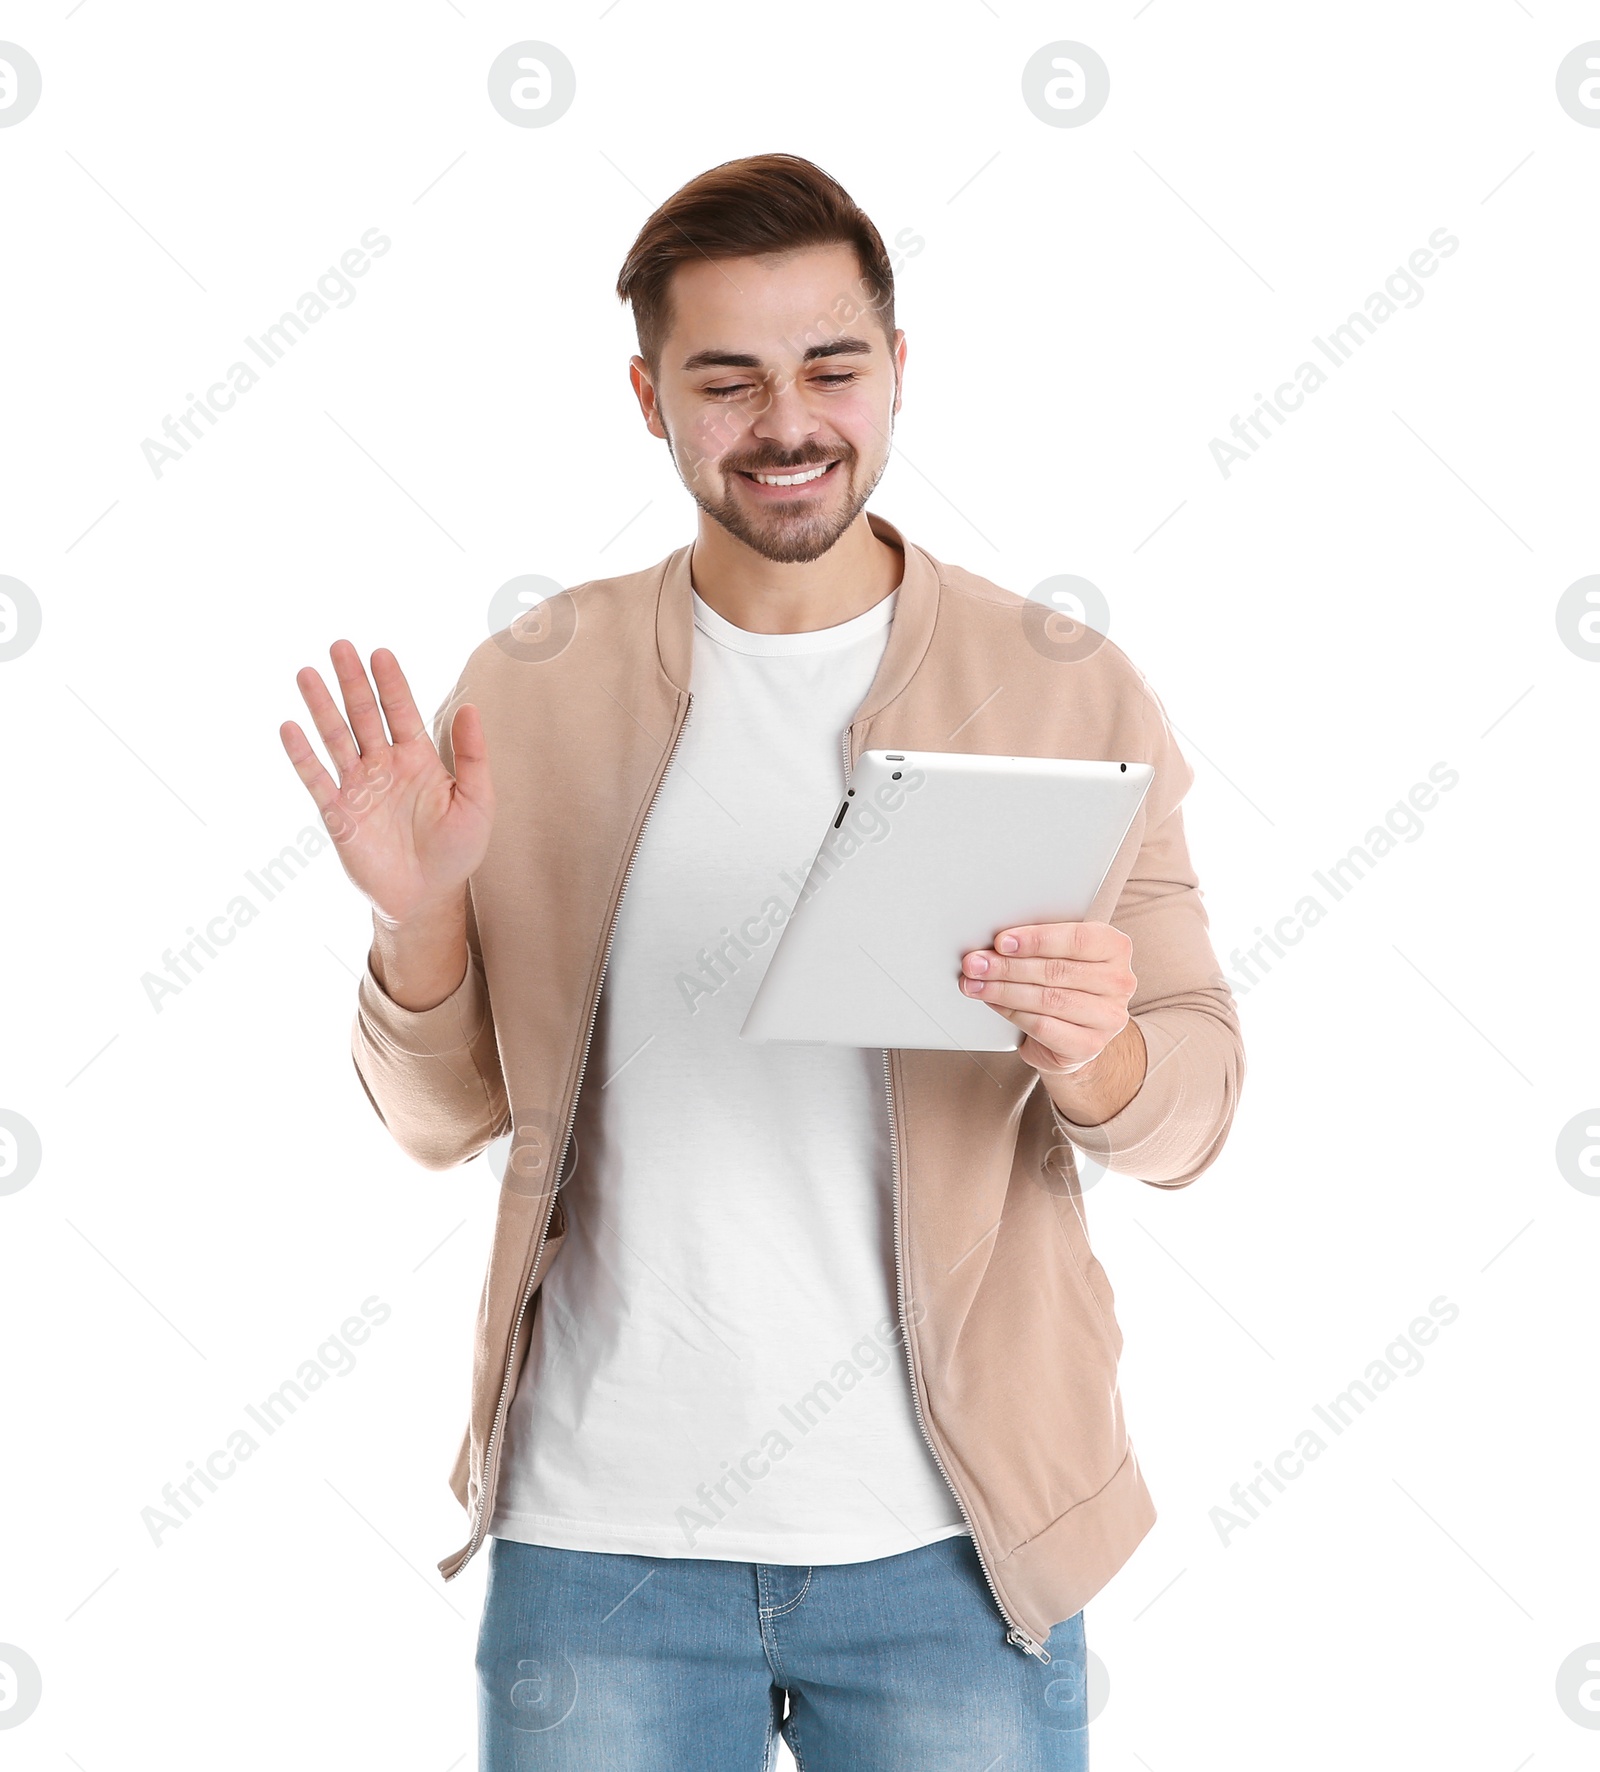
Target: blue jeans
(596,1661)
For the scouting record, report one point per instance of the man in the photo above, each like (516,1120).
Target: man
(795,1378)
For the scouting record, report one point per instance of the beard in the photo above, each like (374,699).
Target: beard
(789,536)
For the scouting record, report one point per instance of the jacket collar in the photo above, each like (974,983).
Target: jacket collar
(915,609)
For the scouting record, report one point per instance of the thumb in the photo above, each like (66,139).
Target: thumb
(471,753)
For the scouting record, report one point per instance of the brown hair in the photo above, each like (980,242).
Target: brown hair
(762,203)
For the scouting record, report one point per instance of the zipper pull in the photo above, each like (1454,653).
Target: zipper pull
(1026,1643)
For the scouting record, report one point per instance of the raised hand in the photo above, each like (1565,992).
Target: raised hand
(408,832)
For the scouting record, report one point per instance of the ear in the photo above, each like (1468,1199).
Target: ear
(644,390)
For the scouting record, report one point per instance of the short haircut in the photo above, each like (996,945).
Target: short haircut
(764,203)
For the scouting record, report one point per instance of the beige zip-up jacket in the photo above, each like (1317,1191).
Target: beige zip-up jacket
(1007,1318)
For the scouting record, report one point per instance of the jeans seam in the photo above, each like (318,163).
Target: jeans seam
(764,1617)
(789,1605)
(792,1736)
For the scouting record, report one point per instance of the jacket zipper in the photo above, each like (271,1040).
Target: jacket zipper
(572,1114)
(1015,1634)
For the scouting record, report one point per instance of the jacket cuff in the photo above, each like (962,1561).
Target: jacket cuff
(1153,1135)
(451,1026)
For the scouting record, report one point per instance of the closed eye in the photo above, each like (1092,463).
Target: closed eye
(723,393)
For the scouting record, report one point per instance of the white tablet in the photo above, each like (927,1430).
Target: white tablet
(932,854)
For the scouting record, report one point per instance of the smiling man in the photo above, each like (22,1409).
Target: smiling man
(794,1403)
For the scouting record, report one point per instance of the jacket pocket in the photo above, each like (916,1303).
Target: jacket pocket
(1091,1275)
(1100,1283)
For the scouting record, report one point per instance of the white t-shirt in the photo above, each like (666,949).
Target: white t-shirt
(716,1368)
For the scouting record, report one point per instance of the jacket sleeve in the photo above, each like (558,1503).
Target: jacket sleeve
(1174,1128)
(433,1075)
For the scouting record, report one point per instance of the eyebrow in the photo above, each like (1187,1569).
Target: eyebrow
(838,347)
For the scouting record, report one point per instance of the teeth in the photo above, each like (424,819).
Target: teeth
(792,479)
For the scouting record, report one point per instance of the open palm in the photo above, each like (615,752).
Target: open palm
(409,833)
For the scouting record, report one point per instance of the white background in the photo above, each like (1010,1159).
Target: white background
(1372,593)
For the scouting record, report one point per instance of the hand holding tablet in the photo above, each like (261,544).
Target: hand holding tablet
(931,855)
(1065,985)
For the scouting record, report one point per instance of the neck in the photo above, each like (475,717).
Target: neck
(765,596)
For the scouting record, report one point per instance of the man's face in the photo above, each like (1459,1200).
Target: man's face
(776,365)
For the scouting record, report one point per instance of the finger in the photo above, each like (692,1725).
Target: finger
(329,721)
(324,790)
(399,709)
(1064,1038)
(1083,1008)
(359,702)
(1068,941)
(470,750)
(986,963)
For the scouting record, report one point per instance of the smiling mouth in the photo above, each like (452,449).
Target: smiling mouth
(791,476)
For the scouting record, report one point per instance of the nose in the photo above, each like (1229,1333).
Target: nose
(786,419)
